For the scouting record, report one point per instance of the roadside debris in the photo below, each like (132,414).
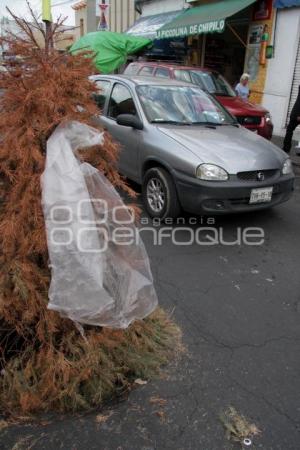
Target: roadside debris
(224,259)
(3,424)
(158,401)
(140,382)
(26,443)
(162,415)
(103,418)
(237,427)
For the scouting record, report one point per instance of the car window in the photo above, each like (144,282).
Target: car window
(146,70)
(103,90)
(131,69)
(121,102)
(212,82)
(162,73)
(181,105)
(182,75)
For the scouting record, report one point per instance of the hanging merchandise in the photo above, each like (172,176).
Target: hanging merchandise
(263,46)
(103,26)
(262,10)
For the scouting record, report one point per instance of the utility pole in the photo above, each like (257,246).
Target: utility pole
(47,19)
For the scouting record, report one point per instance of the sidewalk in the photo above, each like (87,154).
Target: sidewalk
(278,140)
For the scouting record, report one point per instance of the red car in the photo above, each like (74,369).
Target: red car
(254,117)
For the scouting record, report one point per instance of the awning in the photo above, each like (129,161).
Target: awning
(147,26)
(286,3)
(209,18)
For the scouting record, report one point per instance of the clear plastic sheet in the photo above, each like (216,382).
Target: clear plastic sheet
(100,272)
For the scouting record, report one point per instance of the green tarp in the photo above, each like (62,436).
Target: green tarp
(111,49)
(209,18)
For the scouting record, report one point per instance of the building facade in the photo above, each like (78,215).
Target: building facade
(283,73)
(231,49)
(152,7)
(63,41)
(259,37)
(119,15)
(86,19)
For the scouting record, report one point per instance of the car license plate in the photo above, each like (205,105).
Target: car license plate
(263,195)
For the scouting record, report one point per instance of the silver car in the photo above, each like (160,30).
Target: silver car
(187,151)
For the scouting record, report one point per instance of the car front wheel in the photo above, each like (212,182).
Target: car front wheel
(159,194)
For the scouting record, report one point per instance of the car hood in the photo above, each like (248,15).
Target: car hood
(234,149)
(239,107)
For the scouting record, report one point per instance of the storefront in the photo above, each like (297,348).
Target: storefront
(229,36)
(214,44)
(223,51)
(282,79)
(173,49)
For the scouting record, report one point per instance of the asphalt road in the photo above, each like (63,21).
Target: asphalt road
(239,310)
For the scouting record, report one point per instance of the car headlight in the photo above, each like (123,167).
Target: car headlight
(287,167)
(268,117)
(210,172)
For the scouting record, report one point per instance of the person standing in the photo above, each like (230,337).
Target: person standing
(242,88)
(293,123)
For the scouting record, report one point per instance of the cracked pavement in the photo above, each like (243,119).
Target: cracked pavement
(239,310)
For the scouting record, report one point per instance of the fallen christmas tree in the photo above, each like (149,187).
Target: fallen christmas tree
(46,362)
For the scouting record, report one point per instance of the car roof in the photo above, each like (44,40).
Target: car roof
(142,80)
(171,66)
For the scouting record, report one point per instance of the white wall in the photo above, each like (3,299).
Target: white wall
(159,6)
(80,14)
(121,15)
(7,26)
(281,68)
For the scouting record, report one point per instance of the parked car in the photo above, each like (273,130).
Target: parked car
(187,151)
(254,117)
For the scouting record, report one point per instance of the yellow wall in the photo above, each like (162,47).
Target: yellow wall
(257,87)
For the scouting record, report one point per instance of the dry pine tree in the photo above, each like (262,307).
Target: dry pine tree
(45,362)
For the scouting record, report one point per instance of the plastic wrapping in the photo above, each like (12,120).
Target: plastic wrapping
(110,49)
(100,272)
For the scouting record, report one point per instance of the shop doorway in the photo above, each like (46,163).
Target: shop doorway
(226,53)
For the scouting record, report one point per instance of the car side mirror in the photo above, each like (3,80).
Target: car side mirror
(129,120)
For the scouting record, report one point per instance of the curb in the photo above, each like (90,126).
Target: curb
(277,140)
(296,158)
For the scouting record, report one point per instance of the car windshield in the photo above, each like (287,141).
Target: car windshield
(213,83)
(182,105)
